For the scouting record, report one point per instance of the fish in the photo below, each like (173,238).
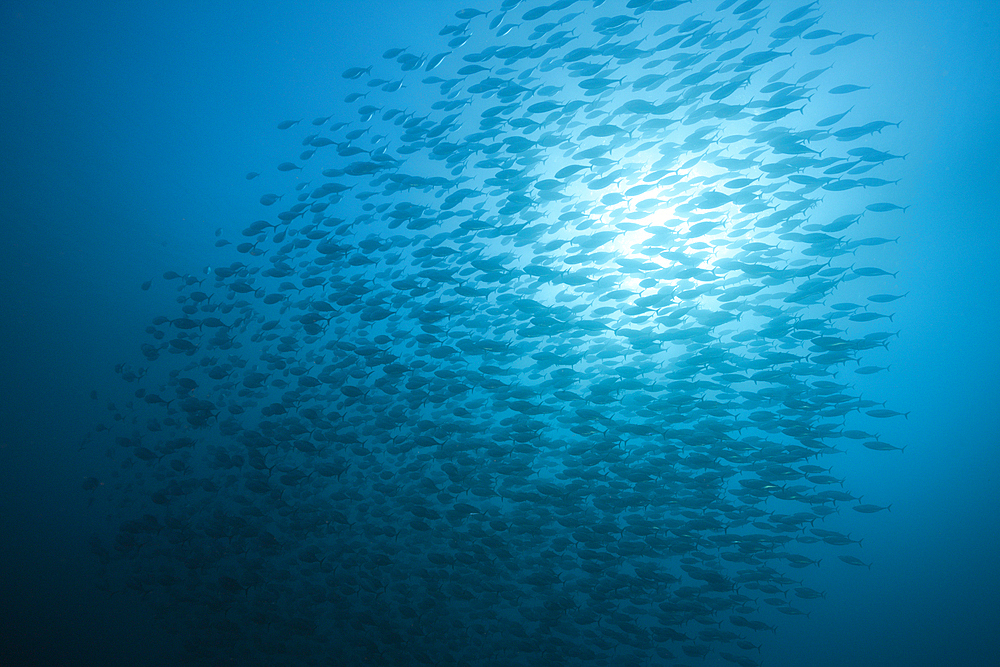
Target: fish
(857,562)
(870,509)
(540,354)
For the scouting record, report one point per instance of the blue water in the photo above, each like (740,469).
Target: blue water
(127,132)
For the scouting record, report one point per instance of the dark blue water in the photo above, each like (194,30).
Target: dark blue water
(127,133)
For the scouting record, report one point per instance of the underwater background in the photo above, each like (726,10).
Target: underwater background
(128,135)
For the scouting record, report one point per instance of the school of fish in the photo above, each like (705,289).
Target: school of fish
(536,362)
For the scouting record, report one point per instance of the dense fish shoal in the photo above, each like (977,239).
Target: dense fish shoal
(537,365)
